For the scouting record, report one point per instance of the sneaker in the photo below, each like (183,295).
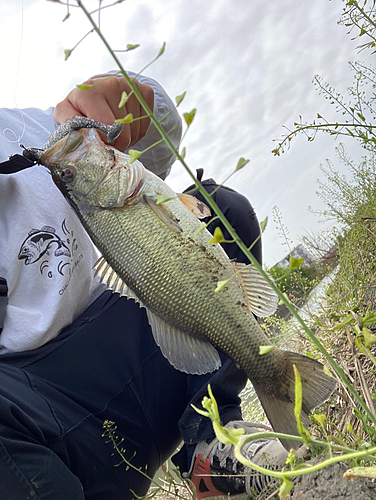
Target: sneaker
(216,472)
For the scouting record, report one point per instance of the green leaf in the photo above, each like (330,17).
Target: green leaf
(188,117)
(134,154)
(285,488)
(320,418)
(295,263)
(182,154)
(298,407)
(327,372)
(350,428)
(124,98)
(67,53)
(360,415)
(367,428)
(179,98)
(217,236)
(369,338)
(363,472)
(347,321)
(201,412)
(263,224)
(126,119)
(162,49)
(131,46)
(162,199)
(221,284)
(286,297)
(369,319)
(83,86)
(241,163)
(264,349)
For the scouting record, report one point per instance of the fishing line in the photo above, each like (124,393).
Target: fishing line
(7,129)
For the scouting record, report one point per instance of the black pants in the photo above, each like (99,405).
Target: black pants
(106,366)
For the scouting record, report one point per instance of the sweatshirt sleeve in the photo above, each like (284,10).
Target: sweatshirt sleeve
(159,159)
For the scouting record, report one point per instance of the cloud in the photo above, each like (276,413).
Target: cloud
(247,67)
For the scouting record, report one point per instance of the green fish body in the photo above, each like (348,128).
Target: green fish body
(156,253)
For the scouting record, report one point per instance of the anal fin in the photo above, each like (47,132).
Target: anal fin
(113,282)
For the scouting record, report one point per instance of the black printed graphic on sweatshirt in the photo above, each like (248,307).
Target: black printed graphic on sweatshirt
(47,249)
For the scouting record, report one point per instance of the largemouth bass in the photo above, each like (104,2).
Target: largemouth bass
(154,253)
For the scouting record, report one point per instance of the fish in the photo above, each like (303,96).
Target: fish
(39,242)
(154,250)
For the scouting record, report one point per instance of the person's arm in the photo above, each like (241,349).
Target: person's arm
(101,103)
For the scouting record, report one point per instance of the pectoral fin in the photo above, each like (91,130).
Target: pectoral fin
(185,352)
(262,299)
(163,213)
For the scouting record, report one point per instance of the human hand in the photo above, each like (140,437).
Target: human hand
(101,103)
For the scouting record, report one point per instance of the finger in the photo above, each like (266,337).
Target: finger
(101,108)
(64,111)
(101,103)
(140,123)
(148,94)
(94,104)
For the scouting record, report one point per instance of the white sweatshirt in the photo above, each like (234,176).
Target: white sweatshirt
(45,255)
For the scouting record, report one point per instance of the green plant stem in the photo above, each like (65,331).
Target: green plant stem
(228,226)
(316,442)
(111,434)
(300,472)
(363,12)
(319,126)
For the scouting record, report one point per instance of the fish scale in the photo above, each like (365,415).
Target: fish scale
(172,270)
(162,290)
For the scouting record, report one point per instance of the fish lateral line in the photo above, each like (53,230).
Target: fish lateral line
(220,318)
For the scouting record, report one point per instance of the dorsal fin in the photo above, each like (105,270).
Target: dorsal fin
(185,352)
(48,229)
(197,207)
(262,299)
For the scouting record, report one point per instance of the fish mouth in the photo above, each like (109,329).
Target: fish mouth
(75,144)
(111,170)
(27,256)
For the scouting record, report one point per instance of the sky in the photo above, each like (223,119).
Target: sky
(246,65)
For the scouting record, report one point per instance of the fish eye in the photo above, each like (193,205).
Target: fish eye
(67,173)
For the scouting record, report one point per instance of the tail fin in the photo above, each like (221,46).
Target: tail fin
(279,401)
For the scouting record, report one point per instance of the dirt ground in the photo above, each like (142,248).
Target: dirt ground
(329,484)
